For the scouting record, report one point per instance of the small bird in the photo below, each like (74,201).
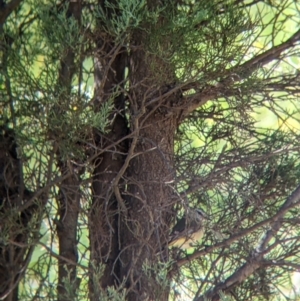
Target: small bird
(188,230)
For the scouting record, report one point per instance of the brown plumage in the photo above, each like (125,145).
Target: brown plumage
(188,230)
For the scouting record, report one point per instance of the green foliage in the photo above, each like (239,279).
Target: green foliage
(199,41)
(159,270)
(58,31)
(123,18)
(110,293)
(100,120)
(228,157)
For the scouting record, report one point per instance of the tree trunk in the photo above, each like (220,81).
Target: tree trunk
(130,223)
(111,149)
(151,172)
(69,194)
(145,229)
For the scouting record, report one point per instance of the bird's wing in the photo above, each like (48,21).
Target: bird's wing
(186,240)
(178,230)
(176,236)
(179,227)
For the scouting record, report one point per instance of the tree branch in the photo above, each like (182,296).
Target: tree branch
(254,261)
(235,74)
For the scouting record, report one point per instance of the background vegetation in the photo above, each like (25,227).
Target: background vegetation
(116,116)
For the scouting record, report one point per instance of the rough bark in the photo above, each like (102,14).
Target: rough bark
(16,224)
(109,73)
(144,230)
(69,194)
(130,223)
(150,174)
